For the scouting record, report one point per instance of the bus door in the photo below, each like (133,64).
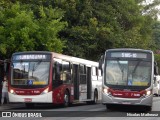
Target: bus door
(83,83)
(76,81)
(89,83)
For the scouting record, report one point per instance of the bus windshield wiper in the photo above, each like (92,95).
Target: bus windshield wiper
(35,66)
(24,68)
(121,68)
(139,60)
(130,75)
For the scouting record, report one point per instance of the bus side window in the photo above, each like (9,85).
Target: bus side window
(99,73)
(94,72)
(57,68)
(66,72)
(83,75)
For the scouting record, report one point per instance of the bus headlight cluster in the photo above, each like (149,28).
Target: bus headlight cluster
(106,91)
(12,91)
(148,92)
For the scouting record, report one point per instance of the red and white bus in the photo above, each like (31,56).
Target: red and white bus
(48,77)
(127,77)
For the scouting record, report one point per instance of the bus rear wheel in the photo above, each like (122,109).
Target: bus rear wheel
(66,99)
(95,101)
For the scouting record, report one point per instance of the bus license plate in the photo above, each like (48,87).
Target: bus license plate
(27,100)
(126,103)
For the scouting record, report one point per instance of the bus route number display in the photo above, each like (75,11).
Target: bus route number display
(30,56)
(128,55)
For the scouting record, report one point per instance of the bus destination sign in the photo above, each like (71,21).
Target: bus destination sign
(31,56)
(128,55)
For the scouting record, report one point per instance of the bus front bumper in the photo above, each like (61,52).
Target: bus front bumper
(44,98)
(145,101)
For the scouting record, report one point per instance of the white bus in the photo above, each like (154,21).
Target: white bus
(127,77)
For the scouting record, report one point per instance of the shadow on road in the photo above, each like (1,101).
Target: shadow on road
(127,108)
(44,106)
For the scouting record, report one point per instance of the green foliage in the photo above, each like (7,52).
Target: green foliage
(82,28)
(156,33)
(157,59)
(20,30)
(95,26)
(49,26)
(151,8)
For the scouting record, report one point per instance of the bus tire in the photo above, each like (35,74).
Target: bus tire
(148,108)
(108,107)
(29,105)
(66,99)
(95,100)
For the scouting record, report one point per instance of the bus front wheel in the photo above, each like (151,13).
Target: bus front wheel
(29,105)
(108,107)
(148,108)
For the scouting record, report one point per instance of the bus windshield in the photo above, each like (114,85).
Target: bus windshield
(128,73)
(30,73)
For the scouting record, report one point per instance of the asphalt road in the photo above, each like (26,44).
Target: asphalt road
(81,111)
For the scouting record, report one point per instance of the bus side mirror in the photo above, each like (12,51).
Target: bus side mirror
(5,66)
(155,69)
(101,62)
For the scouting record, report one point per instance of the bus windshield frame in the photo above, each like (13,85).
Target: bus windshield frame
(30,73)
(123,71)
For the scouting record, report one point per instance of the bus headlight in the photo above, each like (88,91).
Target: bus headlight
(148,92)
(105,90)
(12,91)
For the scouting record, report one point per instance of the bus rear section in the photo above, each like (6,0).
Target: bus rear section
(81,78)
(47,77)
(128,77)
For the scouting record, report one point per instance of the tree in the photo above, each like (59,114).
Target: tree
(21,30)
(94,26)
(156,34)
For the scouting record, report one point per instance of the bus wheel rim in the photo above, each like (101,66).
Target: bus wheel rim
(66,99)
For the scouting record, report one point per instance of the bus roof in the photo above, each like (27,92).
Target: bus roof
(129,49)
(61,56)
